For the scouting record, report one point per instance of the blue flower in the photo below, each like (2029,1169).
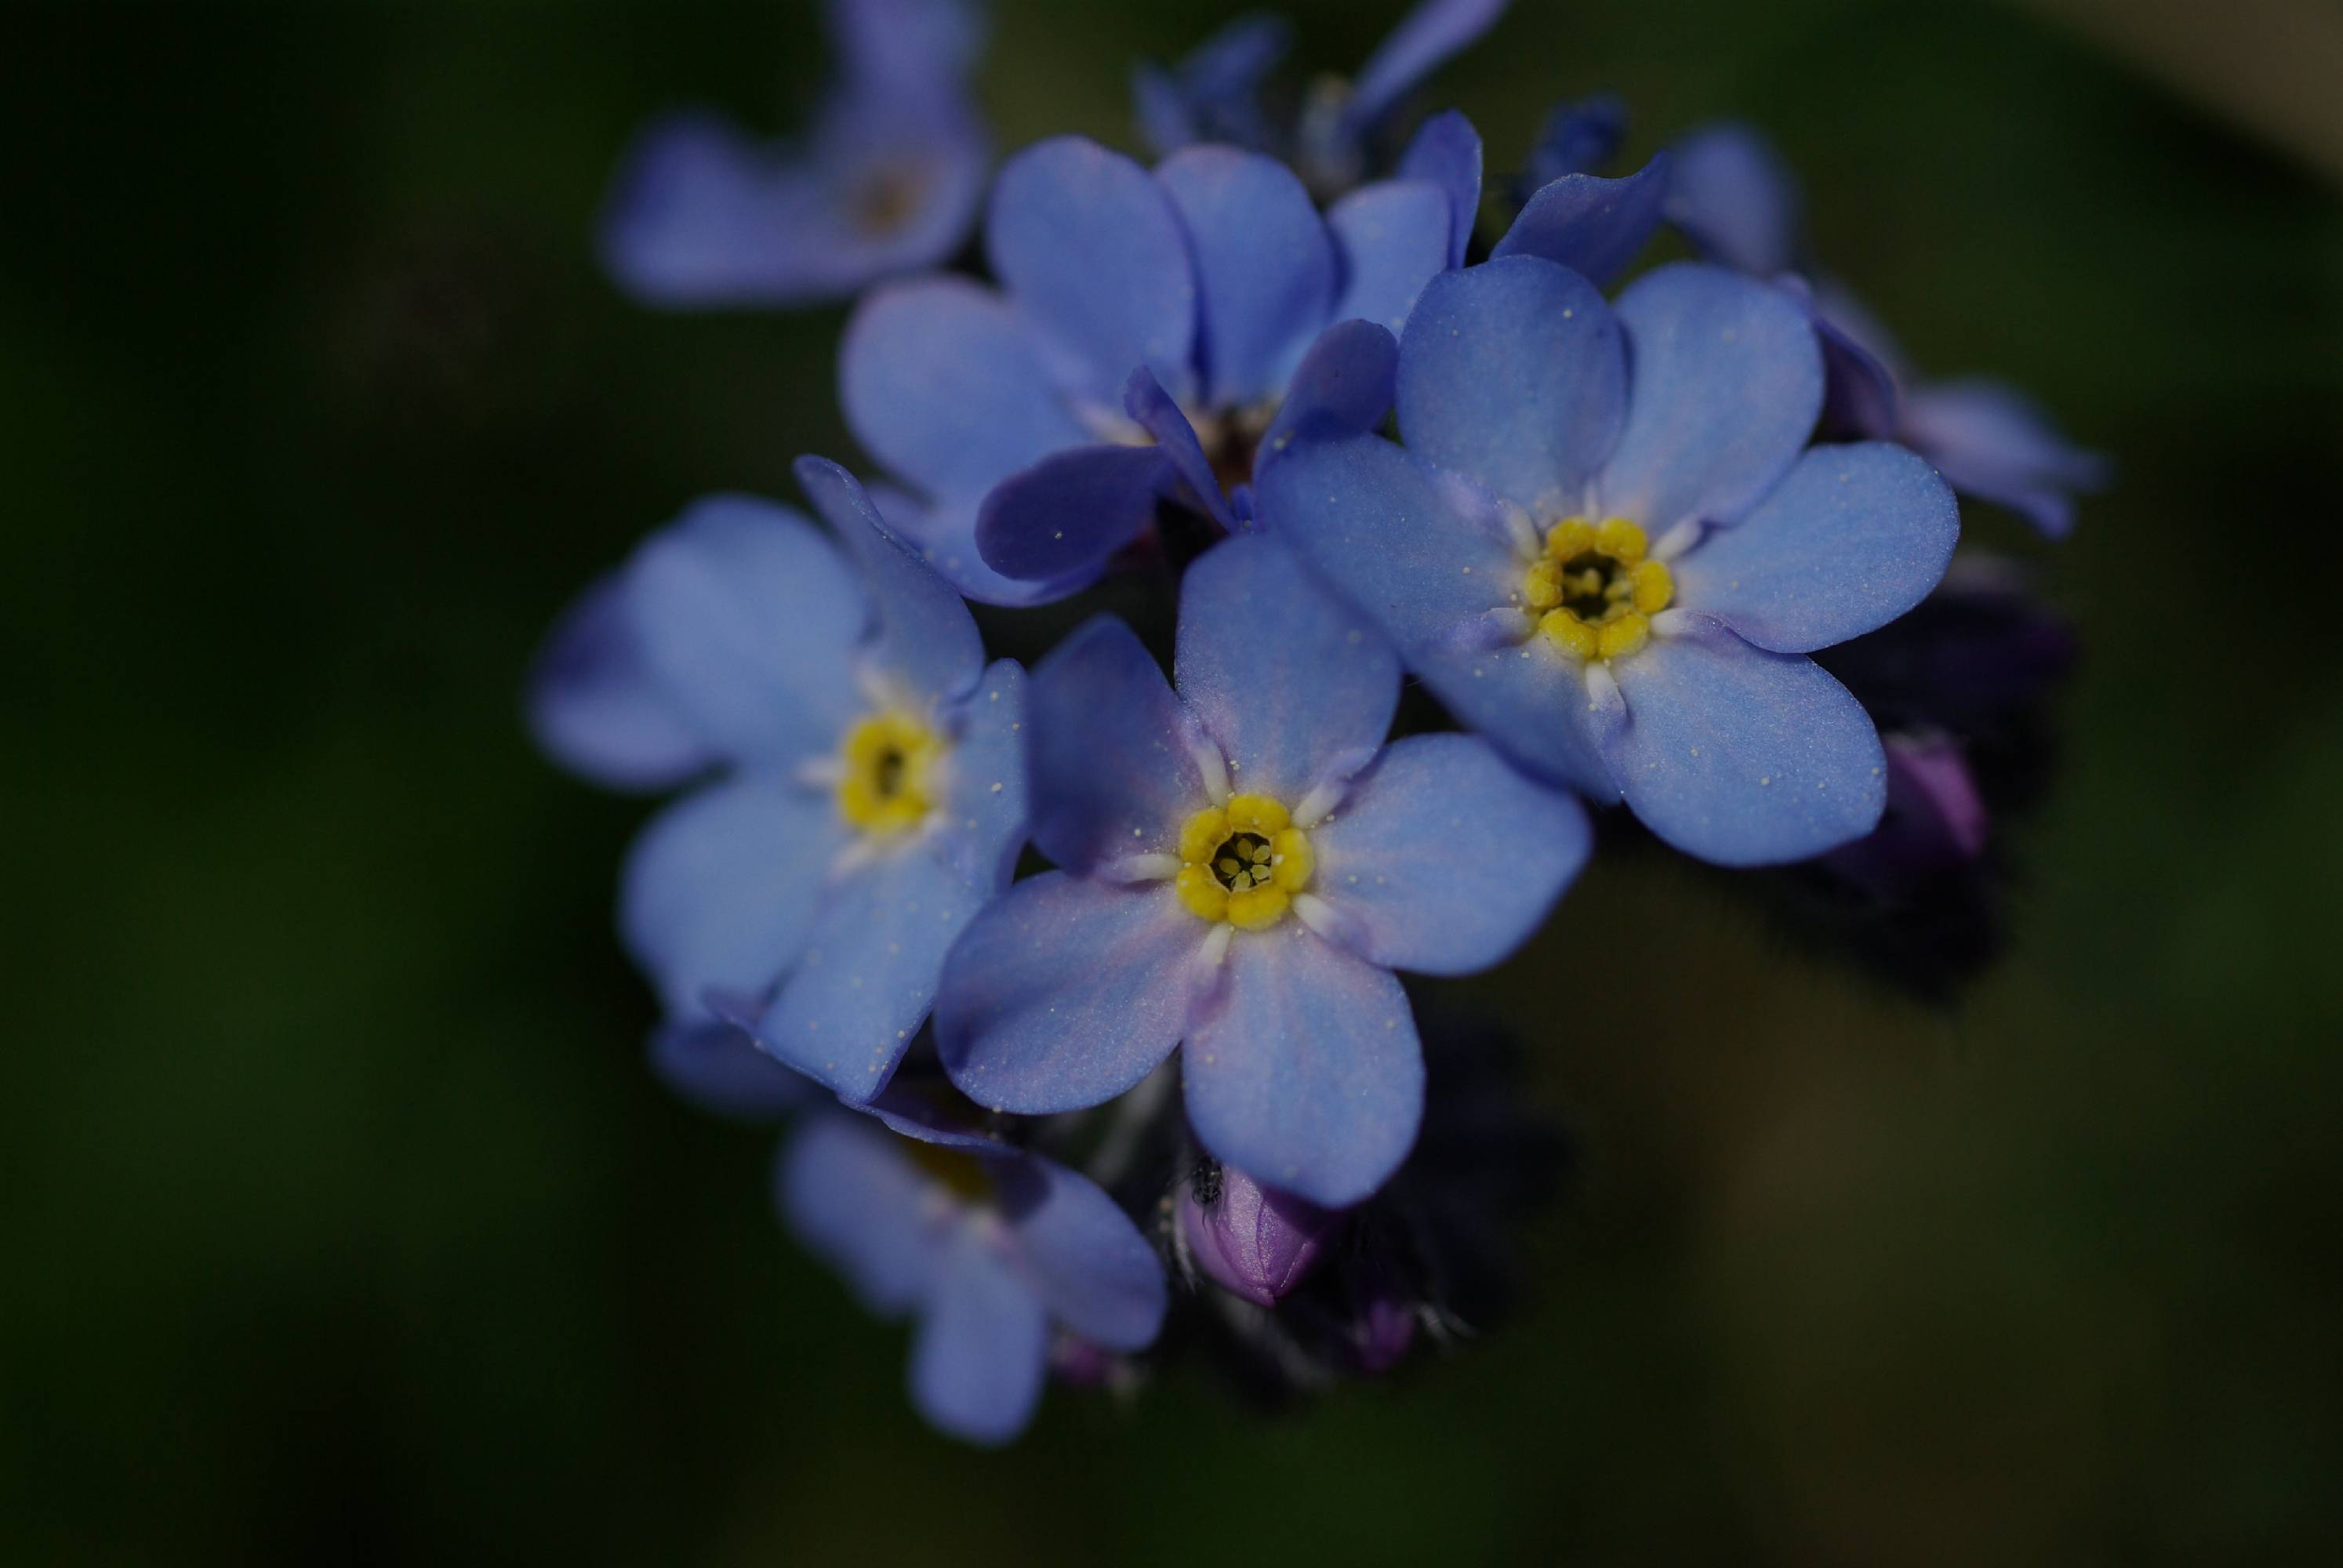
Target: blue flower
(1736,199)
(886,181)
(1243,864)
(987,1246)
(1138,348)
(870,788)
(1606,546)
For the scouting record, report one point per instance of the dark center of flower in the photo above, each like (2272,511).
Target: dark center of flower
(1241,862)
(887,772)
(960,1173)
(886,199)
(1593,585)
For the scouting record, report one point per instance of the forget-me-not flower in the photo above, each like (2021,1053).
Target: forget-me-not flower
(1606,545)
(1241,866)
(886,181)
(1733,196)
(869,789)
(988,1247)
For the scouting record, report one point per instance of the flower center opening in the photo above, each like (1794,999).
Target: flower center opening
(1593,591)
(956,1170)
(883,202)
(1242,862)
(886,775)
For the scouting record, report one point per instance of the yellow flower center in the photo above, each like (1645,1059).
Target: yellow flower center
(1593,591)
(886,774)
(1242,862)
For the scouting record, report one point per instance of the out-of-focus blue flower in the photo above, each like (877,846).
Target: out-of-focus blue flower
(1138,348)
(1577,139)
(1733,197)
(1250,1240)
(886,180)
(988,1247)
(1243,864)
(870,790)
(1606,545)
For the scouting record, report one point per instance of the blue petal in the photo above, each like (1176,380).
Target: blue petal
(981,1352)
(1145,400)
(722,888)
(923,635)
(1728,381)
(905,42)
(1594,226)
(1576,138)
(1309,1076)
(986,810)
(1741,757)
(863,986)
(717,1067)
(944,536)
(1113,753)
(1345,386)
(1066,515)
(1296,687)
(1084,1258)
(1860,396)
(749,619)
(1393,238)
(1442,859)
(1447,153)
(1419,46)
(1515,373)
(1065,992)
(1214,93)
(1736,199)
(1264,266)
(1529,700)
(931,1115)
(940,382)
(1992,442)
(595,707)
(853,1196)
(1853,538)
(1092,251)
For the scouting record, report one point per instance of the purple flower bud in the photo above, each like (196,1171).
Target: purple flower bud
(1079,1362)
(1382,1334)
(1935,821)
(1249,1240)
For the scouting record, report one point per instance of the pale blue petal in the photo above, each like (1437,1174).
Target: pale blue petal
(717,1067)
(852,1196)
(944,536)
(595,707)
(1592,226)
(1264,265)
(1113,753)
(1853,538)
(1992,442)
(1741,757)
(1728,384)
(1065,992)
(1295,685)
(1442,859)
(1515,373)
(981,1352)
(1735,198)
(1447,153)
(1529,700)
(987,800)
(1081,1254)
(1423,42)
(1065,515)
(1393,238)
(723,887)
(1089,247)
(922,635)
(749,619)
(940,382)
(1309,1076)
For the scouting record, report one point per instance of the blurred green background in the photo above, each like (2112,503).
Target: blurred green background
(339,1221)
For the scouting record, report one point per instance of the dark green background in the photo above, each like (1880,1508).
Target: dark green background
(340,1222)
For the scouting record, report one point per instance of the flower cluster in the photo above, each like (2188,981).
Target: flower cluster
(1082,985)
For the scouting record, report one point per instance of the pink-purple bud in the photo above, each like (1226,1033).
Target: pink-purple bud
(1249,1240)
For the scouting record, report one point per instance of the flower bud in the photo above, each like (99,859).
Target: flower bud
(1248,1238)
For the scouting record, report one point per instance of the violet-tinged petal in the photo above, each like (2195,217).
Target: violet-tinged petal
(1113,753)
(1090,248)
(1515,373)
(1424,41)
(595,707)
(1065,992)
(1741,757)
(1067,514)
(1265,269)
(1851,539)
(723,887)
(922,635)
(1393,238)
(1145,401)
(1308,1074)
(1442,859)
(1735,198)
(1289,681)
(1447,153)
(717,1066)
(1081,1253)
(944,536)
(1992,442)
(930,1114)
(1860,397)
(1727,384)
(985,812)
(939,382)
(979,1355)
(850,1194)
(1935,822)
(1344,386)
(1253,1241)
(1592,226)
(748,617)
